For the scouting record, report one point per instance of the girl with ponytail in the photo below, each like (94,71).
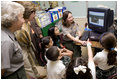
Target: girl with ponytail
(46,43)
(106,60)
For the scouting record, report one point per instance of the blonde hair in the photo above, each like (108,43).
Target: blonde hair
(9,12)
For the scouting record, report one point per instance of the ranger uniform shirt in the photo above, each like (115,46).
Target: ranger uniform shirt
(11,53)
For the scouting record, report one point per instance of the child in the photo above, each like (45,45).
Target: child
(106,59)
(58,40)
(80,69)
(55,67)
(56,36)
(47,42)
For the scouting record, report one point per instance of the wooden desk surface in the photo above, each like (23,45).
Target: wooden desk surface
(95,44)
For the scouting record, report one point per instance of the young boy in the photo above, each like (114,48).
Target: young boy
(55,67)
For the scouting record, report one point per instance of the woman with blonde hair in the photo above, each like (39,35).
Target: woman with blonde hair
(29,39)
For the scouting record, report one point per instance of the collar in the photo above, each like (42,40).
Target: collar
(9,33)
(105,51)
(54,62)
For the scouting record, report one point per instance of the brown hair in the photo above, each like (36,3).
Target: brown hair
(64,18)
(109,42)
(29,9)
(70,74)
(28,12)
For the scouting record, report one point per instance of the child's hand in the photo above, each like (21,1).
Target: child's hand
(83,42)
(88,43)
(63,50)
(66,52)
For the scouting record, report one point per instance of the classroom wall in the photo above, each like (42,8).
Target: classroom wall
(79,8)
(109,4)
(44,4)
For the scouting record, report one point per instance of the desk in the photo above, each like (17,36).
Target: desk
(95,44)
(86,34)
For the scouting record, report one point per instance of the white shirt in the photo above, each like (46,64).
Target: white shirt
(101,60)
(45,55)
(55,69)
(91,66)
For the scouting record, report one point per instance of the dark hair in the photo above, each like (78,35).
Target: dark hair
(46,40)
(52,53)
(28,12)
(70,74)
(51,33)
(64,18)
(108,41)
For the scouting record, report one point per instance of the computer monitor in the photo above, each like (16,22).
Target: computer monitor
(100,19)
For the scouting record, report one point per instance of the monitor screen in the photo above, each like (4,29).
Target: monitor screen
(100,19)
(96,18)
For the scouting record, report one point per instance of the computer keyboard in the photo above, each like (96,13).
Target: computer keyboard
(85,36)
(93,36)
